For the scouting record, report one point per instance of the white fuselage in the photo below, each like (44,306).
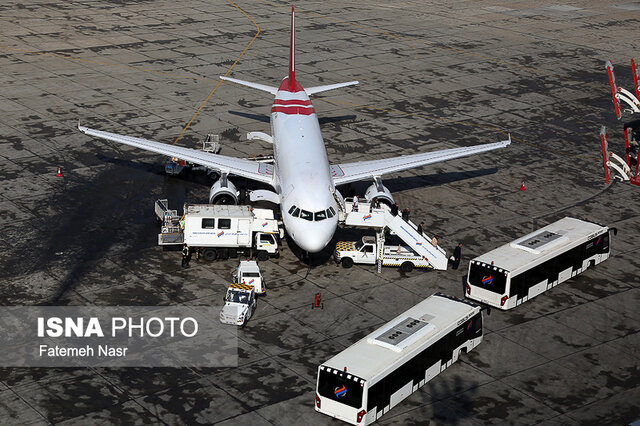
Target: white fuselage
(301,172)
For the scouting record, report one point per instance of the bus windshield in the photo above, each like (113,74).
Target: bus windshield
(487,277)
(339,388)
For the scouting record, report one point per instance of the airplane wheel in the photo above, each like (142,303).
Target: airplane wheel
(406,267)
(347,262)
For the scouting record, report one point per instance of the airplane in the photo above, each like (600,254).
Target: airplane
(303,181)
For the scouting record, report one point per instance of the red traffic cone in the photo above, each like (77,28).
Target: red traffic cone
(522,188)
(59,172)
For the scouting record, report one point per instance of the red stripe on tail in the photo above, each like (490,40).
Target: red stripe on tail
(292,102)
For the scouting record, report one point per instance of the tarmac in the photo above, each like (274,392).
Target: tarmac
(432,75)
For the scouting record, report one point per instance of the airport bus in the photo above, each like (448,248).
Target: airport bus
(518,271)
(369,378)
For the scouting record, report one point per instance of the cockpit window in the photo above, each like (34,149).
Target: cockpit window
(329,213)
(306,215)
(296,212)
(321,215)
(292,209)
(333,212)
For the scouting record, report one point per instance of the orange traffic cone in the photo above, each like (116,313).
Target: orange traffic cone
(59,172)
(522,188)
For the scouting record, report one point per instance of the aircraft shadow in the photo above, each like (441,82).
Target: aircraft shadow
(157,168)
(413,182)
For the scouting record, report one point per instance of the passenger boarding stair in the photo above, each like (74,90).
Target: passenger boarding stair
(381,217)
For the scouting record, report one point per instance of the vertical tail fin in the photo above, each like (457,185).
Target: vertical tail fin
(292,57)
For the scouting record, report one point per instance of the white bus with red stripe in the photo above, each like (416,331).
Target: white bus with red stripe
(522,269)
(362,383)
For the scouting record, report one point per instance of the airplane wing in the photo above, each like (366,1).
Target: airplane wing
(352,172)
(261,172)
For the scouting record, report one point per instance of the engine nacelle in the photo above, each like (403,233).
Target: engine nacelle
(223,192)
(379,192)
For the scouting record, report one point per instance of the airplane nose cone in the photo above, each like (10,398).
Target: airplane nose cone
(315,239)
(312,245)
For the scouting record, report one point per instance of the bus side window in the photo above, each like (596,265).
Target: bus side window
(563,261)
(517,284)
(536,275)
(477,326)
(376,396)
(551,267)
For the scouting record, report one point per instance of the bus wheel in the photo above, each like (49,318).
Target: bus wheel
(347,262)
(209,254)
(592,264)
(406,267)
(262,256)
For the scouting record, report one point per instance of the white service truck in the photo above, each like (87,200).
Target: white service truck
(249,273)
(369,250)
(221,231)
(239,304)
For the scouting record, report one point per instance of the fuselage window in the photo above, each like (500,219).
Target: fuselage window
(321,215)
(306,215)
(296,212)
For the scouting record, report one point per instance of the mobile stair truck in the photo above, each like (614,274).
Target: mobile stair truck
(221,231)
(417,250)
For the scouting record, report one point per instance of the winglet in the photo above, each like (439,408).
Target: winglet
(292,58)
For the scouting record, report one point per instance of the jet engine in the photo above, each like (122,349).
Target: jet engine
(377,191)
(223,192)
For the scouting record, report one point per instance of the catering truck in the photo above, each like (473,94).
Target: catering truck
(221,231)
